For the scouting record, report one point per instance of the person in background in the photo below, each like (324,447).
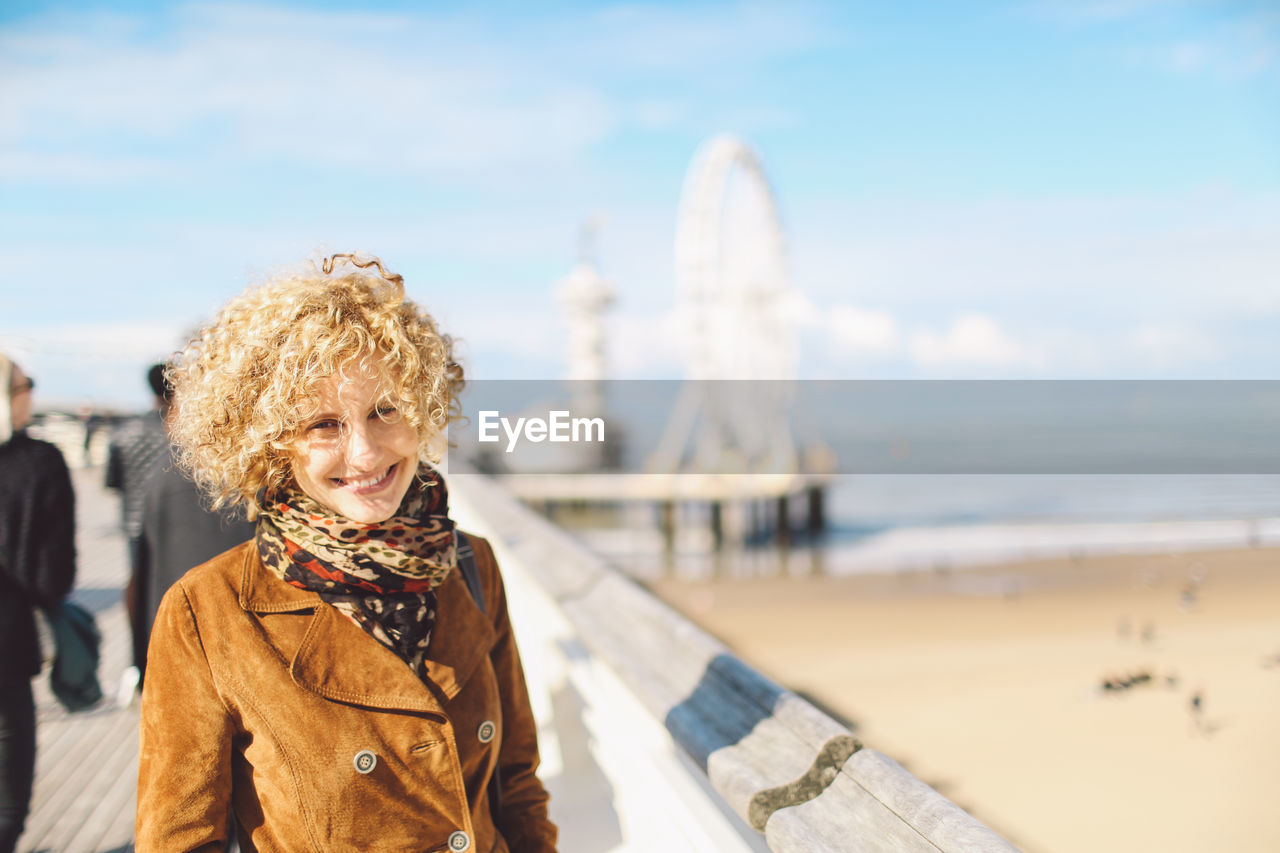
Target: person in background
(334,684)
(37,569)
(93,421)
(179,532)
(135,447)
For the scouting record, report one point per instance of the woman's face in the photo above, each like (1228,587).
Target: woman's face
(353,457)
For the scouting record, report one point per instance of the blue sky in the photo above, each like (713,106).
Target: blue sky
(983,190)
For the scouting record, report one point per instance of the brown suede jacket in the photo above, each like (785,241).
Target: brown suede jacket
(263,701)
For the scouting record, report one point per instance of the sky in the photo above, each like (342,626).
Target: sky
(1057,189)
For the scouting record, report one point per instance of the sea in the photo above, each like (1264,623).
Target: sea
(882,524)
(940,475)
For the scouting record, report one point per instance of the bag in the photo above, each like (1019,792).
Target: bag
(74,677)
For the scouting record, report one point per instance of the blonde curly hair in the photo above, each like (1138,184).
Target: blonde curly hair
(245,385)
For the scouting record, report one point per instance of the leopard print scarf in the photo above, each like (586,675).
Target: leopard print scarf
(382,576)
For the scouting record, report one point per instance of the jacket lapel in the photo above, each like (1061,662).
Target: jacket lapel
(337,660)
(461,639)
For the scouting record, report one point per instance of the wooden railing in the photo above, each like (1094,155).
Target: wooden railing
(788,770)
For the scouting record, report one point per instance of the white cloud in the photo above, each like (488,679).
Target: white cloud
(46,166)
(1093,11)
(122,342)
(860,331)
(1231,41)
(659,113)
(532,345)
(101,362)
(423,94)
(1234,53)
(323,97)
(1165,346)
(497,344)
(1090,262)
(972,340)
(727,37)
(1188,56)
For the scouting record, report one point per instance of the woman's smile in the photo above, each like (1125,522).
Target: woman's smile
(366,483)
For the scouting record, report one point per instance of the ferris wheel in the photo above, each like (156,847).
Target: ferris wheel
(734,310)
(731,268)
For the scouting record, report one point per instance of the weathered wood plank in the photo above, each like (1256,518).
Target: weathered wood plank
(122,826)
(844,817)
(85,774)
(58,784)
(932,815)
(110,824)
(112,792)
(103,771)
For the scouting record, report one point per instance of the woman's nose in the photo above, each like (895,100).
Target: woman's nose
(360,449)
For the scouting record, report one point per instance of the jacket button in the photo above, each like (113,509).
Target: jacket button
(486,731)
(459,841)
(365,761)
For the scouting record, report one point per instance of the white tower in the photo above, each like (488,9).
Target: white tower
(584,296)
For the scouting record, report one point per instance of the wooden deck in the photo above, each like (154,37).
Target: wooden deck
(86,763)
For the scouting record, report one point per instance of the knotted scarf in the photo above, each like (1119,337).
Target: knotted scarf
(383,576)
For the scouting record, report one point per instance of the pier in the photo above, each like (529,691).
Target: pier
(640,713)
(736,509)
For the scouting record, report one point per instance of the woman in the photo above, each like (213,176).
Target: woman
(332,683)
(37,569)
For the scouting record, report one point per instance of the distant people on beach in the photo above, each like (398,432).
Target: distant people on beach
(1190,595)
(1126,682)
(1138,678)
(179,532)
(1197,710)
(37,569)
(1147,634)
(135,446)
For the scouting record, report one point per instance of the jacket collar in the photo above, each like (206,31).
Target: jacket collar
(263,592)
(338,660)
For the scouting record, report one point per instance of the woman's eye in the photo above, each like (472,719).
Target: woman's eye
(385,412)
(324,425)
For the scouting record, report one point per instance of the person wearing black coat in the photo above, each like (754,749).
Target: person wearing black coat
(37,569)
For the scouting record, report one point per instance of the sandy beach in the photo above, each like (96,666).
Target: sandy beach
(988,684)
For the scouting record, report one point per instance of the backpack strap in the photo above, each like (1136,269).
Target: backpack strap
(470,571)
(471,574)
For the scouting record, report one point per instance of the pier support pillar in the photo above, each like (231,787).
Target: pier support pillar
(717,525)
(817,511)
(667,523)
(783,530)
